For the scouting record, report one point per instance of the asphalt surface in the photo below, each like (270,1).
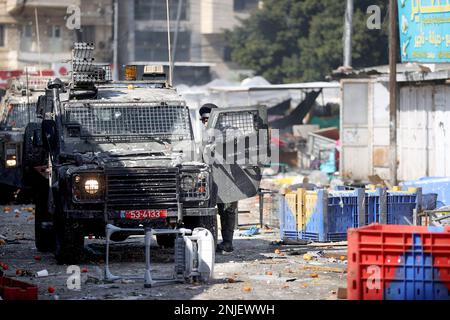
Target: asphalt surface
(259,268)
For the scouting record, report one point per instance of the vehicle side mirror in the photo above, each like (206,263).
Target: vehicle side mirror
(49,135)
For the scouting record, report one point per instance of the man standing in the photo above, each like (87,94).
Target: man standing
(227,211)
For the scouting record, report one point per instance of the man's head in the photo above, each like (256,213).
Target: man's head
(205,112)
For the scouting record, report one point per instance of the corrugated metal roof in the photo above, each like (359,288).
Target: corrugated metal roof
(292,86)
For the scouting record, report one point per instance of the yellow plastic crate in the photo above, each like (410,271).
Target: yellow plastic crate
(306,202)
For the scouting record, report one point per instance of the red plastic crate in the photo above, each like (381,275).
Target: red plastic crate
(11,289)
(395,262)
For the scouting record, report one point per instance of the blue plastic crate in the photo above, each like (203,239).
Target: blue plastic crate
(288,223)
(437,185)
(344,208)
(334,213)
(375,206)
(400,207)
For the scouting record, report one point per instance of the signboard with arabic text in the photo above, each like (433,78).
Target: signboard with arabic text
(424,30)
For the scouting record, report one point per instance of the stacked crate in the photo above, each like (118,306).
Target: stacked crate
(320,215)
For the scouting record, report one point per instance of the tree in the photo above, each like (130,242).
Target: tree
(301,40)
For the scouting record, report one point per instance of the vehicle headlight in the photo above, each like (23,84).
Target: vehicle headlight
(194,186)
(187,183)
(11,163)
(11,156)
(87,187)
(91,186)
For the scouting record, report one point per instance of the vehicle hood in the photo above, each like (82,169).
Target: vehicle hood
(11,136)
(108,161)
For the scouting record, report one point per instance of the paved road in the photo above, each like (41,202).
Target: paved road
(254,271)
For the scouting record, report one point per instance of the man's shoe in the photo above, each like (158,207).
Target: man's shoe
(224,247)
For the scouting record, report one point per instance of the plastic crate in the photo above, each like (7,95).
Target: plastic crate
(396,262)
(391,207)
(437,185)
(401,205)
(310,219)
(344,211)
(288,218)
(375,206)
(11,289)
(319,215)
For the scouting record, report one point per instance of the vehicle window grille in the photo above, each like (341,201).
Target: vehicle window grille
(118,120)
(245,122)
(18,115)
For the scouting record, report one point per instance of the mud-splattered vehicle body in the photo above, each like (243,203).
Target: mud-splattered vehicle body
(123,153)
(17,111)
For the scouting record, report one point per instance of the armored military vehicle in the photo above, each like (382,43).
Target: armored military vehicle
(17,110)
(123,153)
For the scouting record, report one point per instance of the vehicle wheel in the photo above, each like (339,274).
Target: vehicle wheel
(43,228)
(69,242)
(207,222)
(166,240)
(6,195)
(33,156)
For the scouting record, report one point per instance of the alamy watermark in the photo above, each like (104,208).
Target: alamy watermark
(74,280)
(73,18)
(374,19)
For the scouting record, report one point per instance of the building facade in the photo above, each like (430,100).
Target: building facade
(57,31)
(196,26)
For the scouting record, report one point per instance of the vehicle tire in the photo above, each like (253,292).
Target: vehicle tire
(69,241)
(207,222)
(32,156)
(6,195)
(43,229)
(166,240)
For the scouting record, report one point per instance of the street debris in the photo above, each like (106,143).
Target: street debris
(308,257)
(250,232)
(342,293)
(248,289)
(324,269)
(42,274)
(24,273)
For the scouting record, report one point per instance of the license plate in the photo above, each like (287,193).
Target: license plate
(145,214)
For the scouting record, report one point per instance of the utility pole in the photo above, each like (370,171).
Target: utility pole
(393,90)
(116,41)
(348,34)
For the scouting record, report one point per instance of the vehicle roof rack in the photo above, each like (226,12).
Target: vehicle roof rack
(86,73)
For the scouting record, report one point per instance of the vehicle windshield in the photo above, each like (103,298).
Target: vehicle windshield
(122,121)
(19,115)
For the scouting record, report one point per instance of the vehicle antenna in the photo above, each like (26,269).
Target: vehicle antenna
(169,45)
(38,40)
(28,93)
